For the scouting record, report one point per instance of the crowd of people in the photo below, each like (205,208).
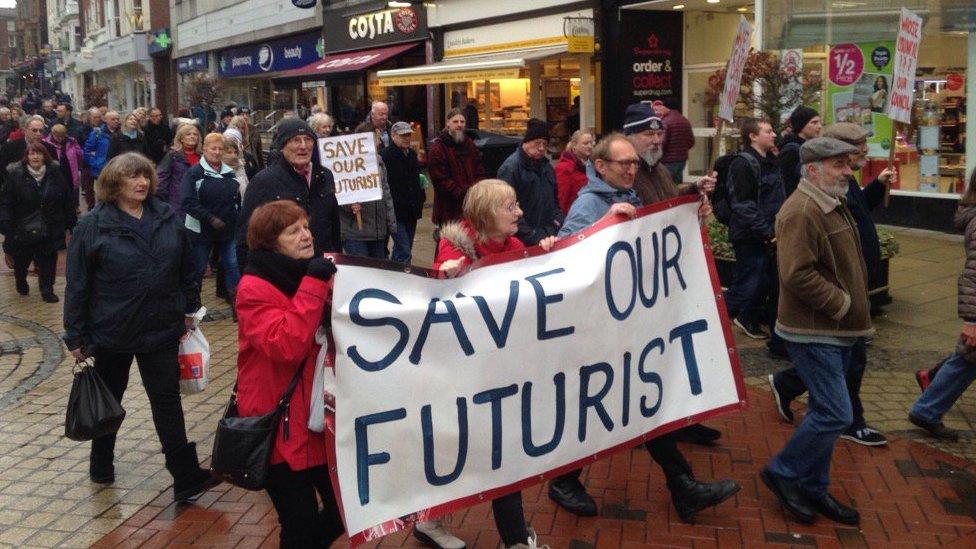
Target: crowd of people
(165,200)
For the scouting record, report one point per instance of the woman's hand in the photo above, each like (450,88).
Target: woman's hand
(623,208)
(321,268)
(547,243)
(188,323)
(969,334)
(707,183)
(451,267)
(888,175)
(79,355)
(217,223)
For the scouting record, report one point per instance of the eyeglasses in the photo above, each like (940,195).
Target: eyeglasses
(626,164)
(516,207)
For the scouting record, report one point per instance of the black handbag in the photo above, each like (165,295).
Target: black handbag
(243,445)
(93,410)
(31,230)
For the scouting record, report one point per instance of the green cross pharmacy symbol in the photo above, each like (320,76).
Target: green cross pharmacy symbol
(163,40)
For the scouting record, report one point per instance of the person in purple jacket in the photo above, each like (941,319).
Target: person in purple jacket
(184,154)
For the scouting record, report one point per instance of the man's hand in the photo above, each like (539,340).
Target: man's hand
(547,243)
(888,175)
(356,208)
(623,208)
(451,267)
(707,182)
(217,223)
(969,334)
(704,209)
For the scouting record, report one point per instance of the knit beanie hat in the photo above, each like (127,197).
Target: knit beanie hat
(290,127)
(535,129)
(800,117)
(640,117)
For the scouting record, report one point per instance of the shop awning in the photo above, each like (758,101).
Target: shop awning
(465,69)
(348,61)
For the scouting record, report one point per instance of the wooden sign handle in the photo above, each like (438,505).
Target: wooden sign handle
(891,160)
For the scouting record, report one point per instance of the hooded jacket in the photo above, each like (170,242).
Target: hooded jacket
(570,178)
(170,172)
(755,201)
(96,149)
(534,182)
(460,240)
(206,194)
(593,202)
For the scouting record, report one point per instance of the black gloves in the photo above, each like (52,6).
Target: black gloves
(321,268)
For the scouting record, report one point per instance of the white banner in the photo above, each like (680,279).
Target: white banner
(733,73)
(906,61)
(352,161)
(453,392)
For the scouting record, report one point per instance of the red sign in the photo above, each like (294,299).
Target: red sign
(955,81)
(846,64)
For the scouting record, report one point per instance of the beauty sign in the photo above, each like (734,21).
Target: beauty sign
(733,74)
(906,61)
(352,161)
(858,90)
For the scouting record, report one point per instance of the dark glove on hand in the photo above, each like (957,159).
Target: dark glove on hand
(321,268)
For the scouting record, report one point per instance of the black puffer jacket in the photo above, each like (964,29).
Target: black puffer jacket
(279,181)
(22,197)
(125,294)
(535,187)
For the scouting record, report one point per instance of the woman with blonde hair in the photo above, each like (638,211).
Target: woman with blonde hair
(129,138)
(571,168)
(234,157)
(184,154)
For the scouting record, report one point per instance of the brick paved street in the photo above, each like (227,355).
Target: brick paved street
(910,493)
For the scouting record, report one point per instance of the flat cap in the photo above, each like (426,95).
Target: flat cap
(401,128)
(847,131)
(821,148)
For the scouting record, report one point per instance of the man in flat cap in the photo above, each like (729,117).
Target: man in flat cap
(787,384)
(823,310)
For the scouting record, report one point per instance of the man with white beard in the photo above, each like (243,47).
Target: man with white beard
(653,183)
(823,311)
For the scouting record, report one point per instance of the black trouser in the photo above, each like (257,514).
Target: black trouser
(293,496)
(46,263)
(791,385)
(160,374)
(664,450)
(510,519)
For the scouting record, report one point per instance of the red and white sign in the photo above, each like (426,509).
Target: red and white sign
(452,392)
(906,61)
(733,74)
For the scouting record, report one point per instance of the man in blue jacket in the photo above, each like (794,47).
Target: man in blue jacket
(610,191)
(96,146)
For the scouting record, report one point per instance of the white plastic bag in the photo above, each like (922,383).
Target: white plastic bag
(323,385)
(194,358)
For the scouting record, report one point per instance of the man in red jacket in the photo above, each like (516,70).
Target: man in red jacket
(455,165)
(678,138)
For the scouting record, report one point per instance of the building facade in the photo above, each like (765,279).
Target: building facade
(8,49)
(33,45)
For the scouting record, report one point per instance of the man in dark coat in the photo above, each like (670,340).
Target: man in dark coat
(74,126)
(159,136)
(455,164)
(403,177)
(295,178)
(13,151)
(530,173)
(805,124)
(678,138)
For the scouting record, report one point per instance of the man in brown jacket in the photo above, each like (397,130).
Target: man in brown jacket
(823,310)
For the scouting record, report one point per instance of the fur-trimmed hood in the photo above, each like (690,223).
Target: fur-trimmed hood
(462,236)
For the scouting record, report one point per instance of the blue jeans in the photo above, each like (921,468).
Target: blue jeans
(403,241)
(954,377)
(228,256)
(676,169)
(365,248)
(806,457)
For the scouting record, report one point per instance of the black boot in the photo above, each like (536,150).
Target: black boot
(570,494)
(189,480)
(100,467)
(690,496)
(22,287)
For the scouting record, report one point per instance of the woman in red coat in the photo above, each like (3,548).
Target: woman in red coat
(489,223)
(281,300)
(571,168)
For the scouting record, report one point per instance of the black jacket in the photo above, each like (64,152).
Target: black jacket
(535,187)
(122,143)
(403,176)
(22,196)
(279,181)
(789,162)
(13,151)
(124,294)
(755,200)
(159,138)
(75,129)
(218,197)
(861,202)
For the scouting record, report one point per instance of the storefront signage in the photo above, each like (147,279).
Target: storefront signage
(128,49)
(160,41)
(906,61)
(537,32)
(193,63)
(303,4)
(345,31)
(579,34)
(858,91)
(450,77)
(650,55)
(733,74)
(274,55)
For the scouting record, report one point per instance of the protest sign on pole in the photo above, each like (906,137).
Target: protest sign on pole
(733,73)
(452,392)
(352,161)
(906,62)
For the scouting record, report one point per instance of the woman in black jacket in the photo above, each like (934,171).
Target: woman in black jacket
(131,290)
(37,210)
(128,139)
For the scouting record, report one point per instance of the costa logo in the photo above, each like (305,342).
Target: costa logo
(406,20)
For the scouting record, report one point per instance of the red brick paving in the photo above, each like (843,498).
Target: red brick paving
(908,494)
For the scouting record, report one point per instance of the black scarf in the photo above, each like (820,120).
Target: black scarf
(280,270)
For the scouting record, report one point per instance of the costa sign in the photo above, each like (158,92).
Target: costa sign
(345,32)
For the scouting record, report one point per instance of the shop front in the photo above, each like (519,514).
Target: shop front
(512,70)
(359,42)
(248,72)
(124,66)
